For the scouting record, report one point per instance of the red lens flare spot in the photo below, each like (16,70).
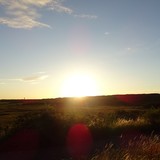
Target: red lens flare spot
(130,99)
(79,141)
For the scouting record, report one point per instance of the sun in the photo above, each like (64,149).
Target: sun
(79,85)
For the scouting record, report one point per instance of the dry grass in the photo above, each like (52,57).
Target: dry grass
(103,122)
(138,148)
(140,121)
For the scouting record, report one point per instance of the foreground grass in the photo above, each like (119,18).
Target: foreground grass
(138,148)
(117,132)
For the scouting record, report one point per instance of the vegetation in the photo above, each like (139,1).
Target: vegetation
(137,148)
(116,132)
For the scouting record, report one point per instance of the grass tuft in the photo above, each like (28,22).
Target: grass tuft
(138,148)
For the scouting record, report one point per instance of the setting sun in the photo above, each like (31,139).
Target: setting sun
(79,85)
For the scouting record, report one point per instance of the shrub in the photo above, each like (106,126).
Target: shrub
(152,116)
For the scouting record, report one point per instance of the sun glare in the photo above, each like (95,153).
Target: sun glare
(79,85)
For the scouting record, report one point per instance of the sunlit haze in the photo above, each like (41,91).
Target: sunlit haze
(79,85)
(56,48)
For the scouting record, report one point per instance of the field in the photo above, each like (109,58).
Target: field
(77,129)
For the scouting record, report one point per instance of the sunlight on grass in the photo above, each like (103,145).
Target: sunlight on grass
(125,131)
(130,122)
(138,148)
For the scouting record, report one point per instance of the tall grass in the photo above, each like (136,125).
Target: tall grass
(110,126)
(138,148)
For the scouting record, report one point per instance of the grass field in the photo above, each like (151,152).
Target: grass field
(32,130)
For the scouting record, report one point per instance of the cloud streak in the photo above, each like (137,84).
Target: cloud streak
(106,33)
(87,16)
(58,7)
(25,13)
(32,78)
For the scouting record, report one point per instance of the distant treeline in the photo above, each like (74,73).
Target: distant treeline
(145,100)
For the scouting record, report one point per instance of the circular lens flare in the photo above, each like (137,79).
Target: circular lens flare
(79,141)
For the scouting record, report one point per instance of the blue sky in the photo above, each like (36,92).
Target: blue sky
(43,42)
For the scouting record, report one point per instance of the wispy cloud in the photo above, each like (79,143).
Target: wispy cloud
(25,13)
(40,72)
(59,7)
(22,22)
(106,33)
(33,78)
(129,49)
(86,16)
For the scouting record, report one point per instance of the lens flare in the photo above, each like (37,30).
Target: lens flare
(79,141)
